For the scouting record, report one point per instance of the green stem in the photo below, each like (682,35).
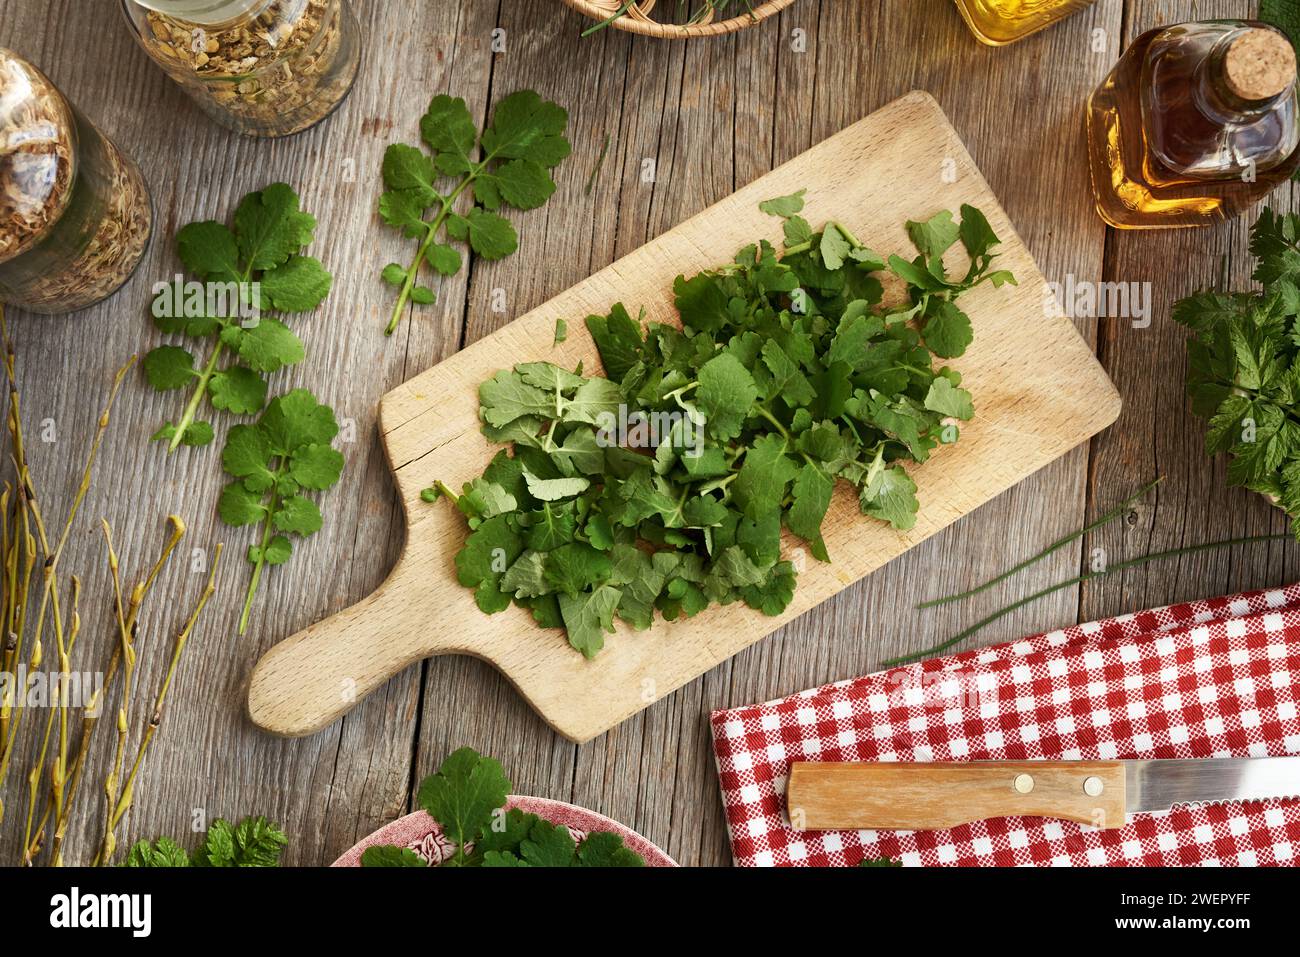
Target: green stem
(1056,546)
(776,424)
(610,19)
(1078,580)
(191,407)
(409,282)
(267,526)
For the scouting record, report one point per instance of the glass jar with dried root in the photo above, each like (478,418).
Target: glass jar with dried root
(260,67)
(75,214)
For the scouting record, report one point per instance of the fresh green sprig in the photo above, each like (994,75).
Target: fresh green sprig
(507,165)
(467,798)
(1244,367)
(286,454)
(253,842)
(256,266)
(665,485)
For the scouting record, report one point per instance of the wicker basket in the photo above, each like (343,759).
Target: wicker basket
(637,18)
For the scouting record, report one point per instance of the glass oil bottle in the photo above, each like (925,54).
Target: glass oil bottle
(1195,124)
(997,22)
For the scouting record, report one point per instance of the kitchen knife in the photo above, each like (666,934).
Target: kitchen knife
(917,797)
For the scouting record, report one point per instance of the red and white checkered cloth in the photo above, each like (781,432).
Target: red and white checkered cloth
(1215,678)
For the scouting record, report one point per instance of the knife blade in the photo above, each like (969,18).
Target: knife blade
(1158,785)
(898,796)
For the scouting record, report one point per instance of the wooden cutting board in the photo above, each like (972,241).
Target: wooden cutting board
(1038,390)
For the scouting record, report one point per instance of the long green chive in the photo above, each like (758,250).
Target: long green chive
(1077,580)
(1056,546)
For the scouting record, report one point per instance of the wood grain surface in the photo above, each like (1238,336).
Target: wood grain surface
(689,123)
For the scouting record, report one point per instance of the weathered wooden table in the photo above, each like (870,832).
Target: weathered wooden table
(711,116)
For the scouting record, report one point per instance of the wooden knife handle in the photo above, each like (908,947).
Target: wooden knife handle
(921,797)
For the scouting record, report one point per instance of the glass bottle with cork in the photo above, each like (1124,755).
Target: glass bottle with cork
(260,67)
(997,22)
(1194,125)
(75,214)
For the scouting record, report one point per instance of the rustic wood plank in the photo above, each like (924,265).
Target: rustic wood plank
(1157,433)
(713,117)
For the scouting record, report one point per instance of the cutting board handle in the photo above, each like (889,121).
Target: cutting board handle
(314,677)
(923,797)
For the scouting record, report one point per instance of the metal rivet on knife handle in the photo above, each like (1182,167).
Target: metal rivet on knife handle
(1023,783)
(1093,787)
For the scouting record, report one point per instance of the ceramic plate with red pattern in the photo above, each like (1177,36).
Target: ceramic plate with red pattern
(423,835)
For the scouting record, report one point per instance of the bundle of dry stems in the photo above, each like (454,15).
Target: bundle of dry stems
(35,609)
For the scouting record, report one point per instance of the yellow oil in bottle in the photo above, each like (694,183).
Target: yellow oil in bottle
(1194,125)
(997,22)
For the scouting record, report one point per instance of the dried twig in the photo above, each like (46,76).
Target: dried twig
(155,719)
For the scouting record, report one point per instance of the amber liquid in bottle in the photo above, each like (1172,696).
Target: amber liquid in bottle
(996,22)
(1194,125)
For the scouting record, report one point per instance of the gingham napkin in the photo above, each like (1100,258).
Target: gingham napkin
(1214,678)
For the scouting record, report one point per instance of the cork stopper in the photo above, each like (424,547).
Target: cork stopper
(1260,64)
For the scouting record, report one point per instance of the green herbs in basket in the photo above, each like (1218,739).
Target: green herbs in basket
(664,486)
(467,797)
(1244,367)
